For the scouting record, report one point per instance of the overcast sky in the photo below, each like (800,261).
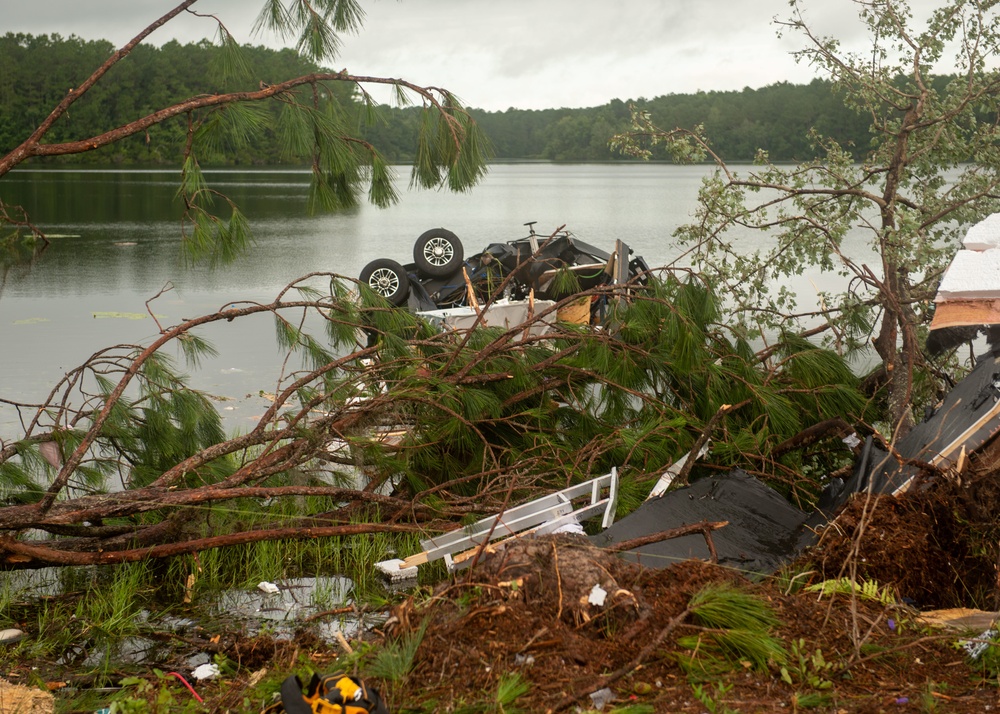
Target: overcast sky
(527,54)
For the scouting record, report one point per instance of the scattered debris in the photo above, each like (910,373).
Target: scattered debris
(206,671)
(10,636)
(764,531)
(269,588)
(478,627)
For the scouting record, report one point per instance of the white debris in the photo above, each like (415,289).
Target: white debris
(852,440)
(972,274)
(269,588)
(601,698)
(206,671)
(572,528)
(10,636)
(393,569)
(597,596)
(984,235)
(974,648)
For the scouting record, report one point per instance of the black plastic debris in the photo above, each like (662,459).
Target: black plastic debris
(764,529)
(966,420)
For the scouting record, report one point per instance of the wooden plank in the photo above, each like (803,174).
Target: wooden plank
(963,313)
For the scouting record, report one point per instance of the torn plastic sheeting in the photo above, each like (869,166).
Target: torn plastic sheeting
(764,529)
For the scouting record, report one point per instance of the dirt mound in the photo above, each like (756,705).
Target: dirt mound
(528,610)
(927,545)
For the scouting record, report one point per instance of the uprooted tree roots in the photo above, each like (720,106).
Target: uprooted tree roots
(937,547)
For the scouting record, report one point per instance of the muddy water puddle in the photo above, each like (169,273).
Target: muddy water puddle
(282,606)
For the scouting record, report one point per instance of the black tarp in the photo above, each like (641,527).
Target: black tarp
(764,529)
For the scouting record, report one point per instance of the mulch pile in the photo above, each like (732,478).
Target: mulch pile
(928,545)
(527,609)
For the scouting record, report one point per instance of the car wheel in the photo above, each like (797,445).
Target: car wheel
(438,253)
(388,279)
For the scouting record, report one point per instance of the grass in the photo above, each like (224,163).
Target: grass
(9,595)
(737,632)
(510,688)
(394,661)
(79,617)
(247,565)
(113,600)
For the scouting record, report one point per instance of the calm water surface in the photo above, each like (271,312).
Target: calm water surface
(119,245)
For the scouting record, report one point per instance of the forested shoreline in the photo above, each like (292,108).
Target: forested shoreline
(36,71)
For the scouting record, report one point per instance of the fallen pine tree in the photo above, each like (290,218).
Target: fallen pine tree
(124,461)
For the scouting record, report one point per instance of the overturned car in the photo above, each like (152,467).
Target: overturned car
(442,276)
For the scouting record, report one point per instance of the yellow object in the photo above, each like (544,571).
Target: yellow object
(350,692)
(332,694)
(576,312)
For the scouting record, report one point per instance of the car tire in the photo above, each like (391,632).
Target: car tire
(387,278)
(438,253)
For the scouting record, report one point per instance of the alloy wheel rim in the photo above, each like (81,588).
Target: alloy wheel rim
(439,251)
(384,281)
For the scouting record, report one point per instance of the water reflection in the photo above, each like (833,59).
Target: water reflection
(18,255)
(119,245)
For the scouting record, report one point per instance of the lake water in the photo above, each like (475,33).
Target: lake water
(119,244)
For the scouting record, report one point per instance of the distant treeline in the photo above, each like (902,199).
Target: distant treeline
(37,71)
